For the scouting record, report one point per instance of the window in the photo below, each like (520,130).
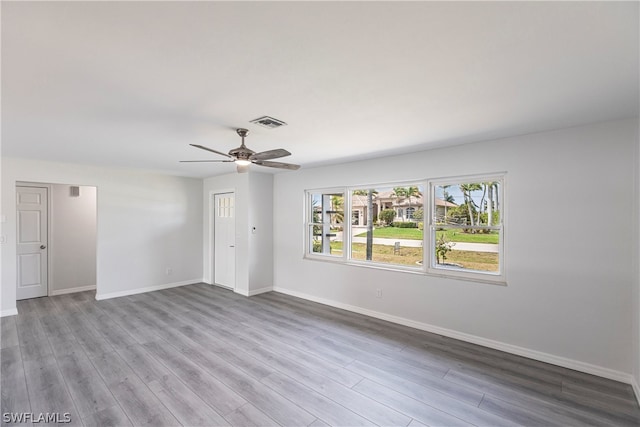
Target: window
(410,212)
(355,217)
(450,227)
(466,226)
(325,223)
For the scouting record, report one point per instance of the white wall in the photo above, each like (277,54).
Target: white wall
(72,248)
(568,238)
(261,242)
(146,223)
(635,339)
(254,208)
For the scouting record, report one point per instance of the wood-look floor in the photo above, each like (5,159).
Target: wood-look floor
(200,355)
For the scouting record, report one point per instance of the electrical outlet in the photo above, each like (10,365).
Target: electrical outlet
(378,293)
(168,271)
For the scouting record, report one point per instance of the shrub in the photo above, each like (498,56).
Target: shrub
(418,214)
(405,224)
(387,216)
(443,246)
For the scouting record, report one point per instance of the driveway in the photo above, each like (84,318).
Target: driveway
(459,246)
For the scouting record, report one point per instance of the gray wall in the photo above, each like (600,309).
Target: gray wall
(73,238)
(569,243)
(147,222)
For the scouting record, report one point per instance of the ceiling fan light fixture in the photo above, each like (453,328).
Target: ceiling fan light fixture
(244,156)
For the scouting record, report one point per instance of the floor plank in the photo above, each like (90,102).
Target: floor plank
(87,389)
(202,355)
(13,385)
(137,401)
(8,332)
(317,404)
(48,392)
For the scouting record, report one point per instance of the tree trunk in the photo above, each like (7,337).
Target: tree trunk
(481,207)
(370,225)
(467,198)
(490,206)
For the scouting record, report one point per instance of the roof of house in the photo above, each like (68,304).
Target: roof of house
(416,201)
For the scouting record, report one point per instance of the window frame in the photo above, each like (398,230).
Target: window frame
(473,275)
(347,249)
(309,223)
(428,244)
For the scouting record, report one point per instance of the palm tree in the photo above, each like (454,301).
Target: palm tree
(484,194)
(399,192)
(467,189)
(371,193)
(446,197)
(412,192)
(408,192)
(337,205)
(492,205)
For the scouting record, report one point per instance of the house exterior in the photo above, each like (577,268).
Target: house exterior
(404,207)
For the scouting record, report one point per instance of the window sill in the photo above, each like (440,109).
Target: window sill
(462,276)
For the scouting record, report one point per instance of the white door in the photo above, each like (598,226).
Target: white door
(32,220)
(224,237)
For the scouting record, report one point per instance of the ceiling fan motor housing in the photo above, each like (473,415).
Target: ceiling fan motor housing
(242,152)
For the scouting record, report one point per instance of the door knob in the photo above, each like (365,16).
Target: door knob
(43,247)
(232,246)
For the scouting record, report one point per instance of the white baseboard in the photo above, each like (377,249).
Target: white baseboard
(72,290)
(219,286)
(253,292)
(260,291)
(102,296)
(9,312)
(497,345)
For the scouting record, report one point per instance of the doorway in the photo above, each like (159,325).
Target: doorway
(224,238)
(56,239)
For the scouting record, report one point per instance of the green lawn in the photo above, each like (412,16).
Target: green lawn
(456,235)
(453,235)
(483,261)
(395,233)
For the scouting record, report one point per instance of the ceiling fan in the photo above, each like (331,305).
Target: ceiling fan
(243,156)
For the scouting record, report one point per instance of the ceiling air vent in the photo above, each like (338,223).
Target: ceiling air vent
(268,122)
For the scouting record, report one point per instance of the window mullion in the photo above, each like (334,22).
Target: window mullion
(346,226)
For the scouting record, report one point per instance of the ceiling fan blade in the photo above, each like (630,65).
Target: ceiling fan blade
(206,161)
(278,165)
(271,154)
(211,149)
(242,168)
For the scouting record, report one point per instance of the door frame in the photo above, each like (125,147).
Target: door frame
(50,243)
(212,243)
(49,246)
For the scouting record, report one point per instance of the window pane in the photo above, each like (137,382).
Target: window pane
(326,217)
(329,244)
(453,248)
(382,231)
(470,203)
(464,236)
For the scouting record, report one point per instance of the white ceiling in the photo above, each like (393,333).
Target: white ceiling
(131,84)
